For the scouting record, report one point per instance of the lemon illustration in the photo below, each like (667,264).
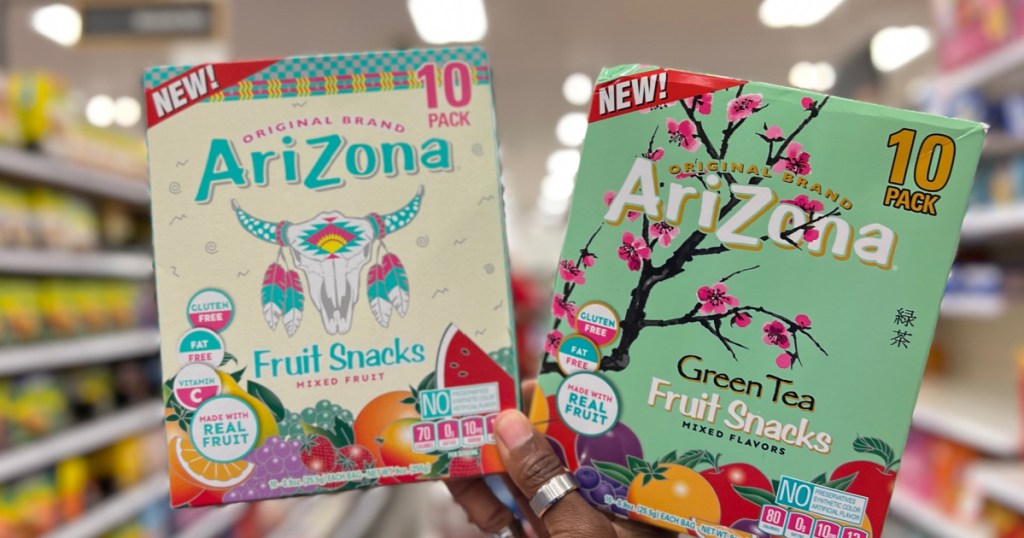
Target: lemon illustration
(268,426)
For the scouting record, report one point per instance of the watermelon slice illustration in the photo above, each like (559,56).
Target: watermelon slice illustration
(460,363)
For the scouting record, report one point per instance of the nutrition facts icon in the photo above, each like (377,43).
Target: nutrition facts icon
(424,437)
(489,429)
(772,519)
(853,532)
(826,529)
(798,526)
(472,431)
(448,435)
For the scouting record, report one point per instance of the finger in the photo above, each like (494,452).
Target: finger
(526,388)
(531,463)
(524,506)
(483,508)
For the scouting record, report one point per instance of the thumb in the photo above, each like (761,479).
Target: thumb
(531,463)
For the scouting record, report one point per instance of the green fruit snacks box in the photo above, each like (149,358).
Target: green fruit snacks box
(331,270)
(745,299)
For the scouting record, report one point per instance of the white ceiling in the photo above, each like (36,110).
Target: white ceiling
(534,45)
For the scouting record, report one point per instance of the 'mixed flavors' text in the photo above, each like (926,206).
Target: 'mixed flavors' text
(706,406)
(874,244)
(324,161)
(338,357)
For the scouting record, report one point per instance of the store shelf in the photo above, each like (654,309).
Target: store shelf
(980,72)
(931,520)
(130,265)
(80,439)
(980,224)
(78,351)
(1001,482)
(216,522)
(1001,145)
(976,417)
(117,510)
(972,305)
(44,170)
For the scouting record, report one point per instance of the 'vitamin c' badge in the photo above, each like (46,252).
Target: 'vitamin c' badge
(578,354)
(598,322)
(196,383)
(211,309)
(201,346)
(588,404)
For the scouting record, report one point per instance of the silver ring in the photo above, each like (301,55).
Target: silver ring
(512,530)
(551,492)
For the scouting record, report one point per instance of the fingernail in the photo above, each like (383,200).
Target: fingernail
(513,429)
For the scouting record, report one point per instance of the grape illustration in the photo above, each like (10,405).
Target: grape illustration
(588,477)
(596,495)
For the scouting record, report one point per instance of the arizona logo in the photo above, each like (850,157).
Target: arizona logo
(332,249)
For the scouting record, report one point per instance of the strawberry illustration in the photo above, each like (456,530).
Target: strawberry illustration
(464,466)
(318,455)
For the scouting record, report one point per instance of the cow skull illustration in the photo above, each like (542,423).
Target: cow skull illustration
(331,249)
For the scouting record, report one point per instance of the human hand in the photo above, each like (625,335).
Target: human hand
(530,463)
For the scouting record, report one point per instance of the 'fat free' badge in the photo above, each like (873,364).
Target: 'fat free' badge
(211,309)
(587,404)
(578,354)
(201,346)
(195,383)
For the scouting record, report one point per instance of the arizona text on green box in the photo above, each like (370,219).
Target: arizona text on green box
(745,300)
(331,272)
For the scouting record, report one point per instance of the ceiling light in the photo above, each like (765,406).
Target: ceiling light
(894,47)
(577,89)
(571,129)
(127,111)
(563,162)
(59,23)
(100,110)
(556,187)
(783,13)
(449,21)
(819,77)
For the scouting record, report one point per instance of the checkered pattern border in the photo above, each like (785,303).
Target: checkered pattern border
(333,74)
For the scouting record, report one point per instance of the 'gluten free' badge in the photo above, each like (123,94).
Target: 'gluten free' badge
(201,346)
(211,309)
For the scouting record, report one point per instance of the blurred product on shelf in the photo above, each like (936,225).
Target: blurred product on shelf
(967,30)
(1006,523)
(38,407)
(31,308)
(36,112)
(934,470)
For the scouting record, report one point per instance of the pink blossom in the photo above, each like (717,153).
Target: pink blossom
(608,197)
(808,103)
(633,249)
(663,232)
(684,175)
(562,308)
(775,334)
(703,103)
(774,133)
(551,342)
(796,160)
(805,203)
(810,234)
(570,273)
(784,360)
(682,132)
(743,107)
(655,155)
(588,260)
(802,321)
(632,216)
(715,299)
(741,319)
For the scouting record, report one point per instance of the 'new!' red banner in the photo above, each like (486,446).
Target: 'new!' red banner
(194,85)
(651,88)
